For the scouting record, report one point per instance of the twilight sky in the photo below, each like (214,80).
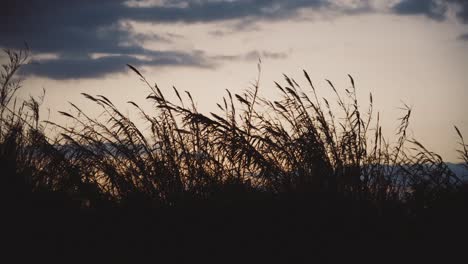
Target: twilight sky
(411,51)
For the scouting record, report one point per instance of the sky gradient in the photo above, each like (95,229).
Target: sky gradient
(403,51)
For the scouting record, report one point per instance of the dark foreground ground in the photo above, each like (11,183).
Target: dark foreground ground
(286,229)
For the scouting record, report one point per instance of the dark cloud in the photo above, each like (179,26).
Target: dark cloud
(76,29)
(463,37)
(462,12)
(435,9)
(430,8)
(86,67)
(209,11)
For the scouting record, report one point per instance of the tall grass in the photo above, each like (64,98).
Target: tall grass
(299,144)
(30,161)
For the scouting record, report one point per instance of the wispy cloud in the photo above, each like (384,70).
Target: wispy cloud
(252,56)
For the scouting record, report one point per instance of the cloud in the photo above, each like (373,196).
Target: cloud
(56,24)
(463,37)
(462,12)
(434,9)
(76,29)
(252,56)
(64,67)
(431,8)
(255,55)
(209,11)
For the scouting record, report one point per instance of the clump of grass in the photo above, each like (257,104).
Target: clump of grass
(30,161)
(299,144)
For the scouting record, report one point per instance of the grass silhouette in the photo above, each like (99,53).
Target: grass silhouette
(284,171)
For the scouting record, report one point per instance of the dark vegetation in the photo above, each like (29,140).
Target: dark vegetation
(279,180)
